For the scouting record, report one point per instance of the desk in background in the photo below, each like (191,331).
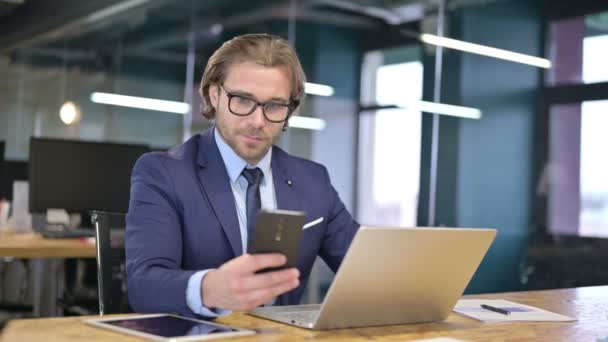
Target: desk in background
(45,254)
(589,305)
(33,245)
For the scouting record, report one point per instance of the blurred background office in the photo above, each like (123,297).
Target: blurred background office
(458,113)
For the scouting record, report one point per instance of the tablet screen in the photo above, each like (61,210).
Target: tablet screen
(169,326)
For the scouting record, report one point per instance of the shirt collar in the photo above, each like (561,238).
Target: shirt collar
(234,163)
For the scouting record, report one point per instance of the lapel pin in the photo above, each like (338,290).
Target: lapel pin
(289,182)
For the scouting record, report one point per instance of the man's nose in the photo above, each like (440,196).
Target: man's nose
(257,117)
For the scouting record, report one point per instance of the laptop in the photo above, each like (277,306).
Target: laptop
(393,276)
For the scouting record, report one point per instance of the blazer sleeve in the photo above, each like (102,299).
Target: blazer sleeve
(153,243)
(341,228)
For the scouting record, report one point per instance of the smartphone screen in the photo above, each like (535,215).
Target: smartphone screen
(278,231)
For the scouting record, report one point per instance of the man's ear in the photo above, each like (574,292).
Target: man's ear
(214,95)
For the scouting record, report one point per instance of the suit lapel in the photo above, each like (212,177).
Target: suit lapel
(215,182)
(284,186)
(286,191)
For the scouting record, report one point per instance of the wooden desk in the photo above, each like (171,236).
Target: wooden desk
(589,305)
(33,245)
(46,257)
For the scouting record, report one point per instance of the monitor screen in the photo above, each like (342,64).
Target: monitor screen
(79,176)
(11,171)
(2,191)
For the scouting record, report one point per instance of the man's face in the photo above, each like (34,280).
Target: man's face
(250,136)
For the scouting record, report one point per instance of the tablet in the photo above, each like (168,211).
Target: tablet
(165,327)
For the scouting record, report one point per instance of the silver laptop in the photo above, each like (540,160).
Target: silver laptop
(393,276)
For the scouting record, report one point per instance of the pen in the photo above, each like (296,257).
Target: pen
(495,309)
(310,224)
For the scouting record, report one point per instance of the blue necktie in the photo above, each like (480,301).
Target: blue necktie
(252,200)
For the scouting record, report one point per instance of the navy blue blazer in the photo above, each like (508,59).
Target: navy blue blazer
(182,219)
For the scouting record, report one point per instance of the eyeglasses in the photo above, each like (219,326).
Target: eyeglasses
(273,111)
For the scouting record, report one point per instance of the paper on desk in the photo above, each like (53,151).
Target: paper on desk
(518,312)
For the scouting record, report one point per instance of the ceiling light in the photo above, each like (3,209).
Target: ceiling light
(318,89)
(485,50)
(114,10)
(69,113)
(305,122)
(445,109)
(431,107)
(141,103)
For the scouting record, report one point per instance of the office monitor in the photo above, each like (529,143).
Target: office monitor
(79,176)
(11,171)
(2,192)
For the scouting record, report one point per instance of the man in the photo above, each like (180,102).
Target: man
(191,213)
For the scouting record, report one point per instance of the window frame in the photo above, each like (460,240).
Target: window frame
(559,94)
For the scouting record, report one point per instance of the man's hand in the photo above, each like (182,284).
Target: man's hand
(235,286)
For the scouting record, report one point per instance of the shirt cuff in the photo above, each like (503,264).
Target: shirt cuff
(194,299)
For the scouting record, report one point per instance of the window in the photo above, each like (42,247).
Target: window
(579,50)
(389,146)
(595,57)
(594,169)
(578,198)
(576,122)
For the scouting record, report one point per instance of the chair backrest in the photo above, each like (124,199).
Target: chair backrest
(111,271)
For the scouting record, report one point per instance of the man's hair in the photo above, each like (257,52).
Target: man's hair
(263,49)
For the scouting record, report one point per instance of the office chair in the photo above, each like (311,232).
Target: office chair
(15,289)
(111,271)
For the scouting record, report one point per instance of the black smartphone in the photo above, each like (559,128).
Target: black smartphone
(278,231)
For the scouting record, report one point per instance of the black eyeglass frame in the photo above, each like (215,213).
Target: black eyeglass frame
(290,106)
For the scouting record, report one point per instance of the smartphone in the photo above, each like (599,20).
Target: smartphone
(278,231)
